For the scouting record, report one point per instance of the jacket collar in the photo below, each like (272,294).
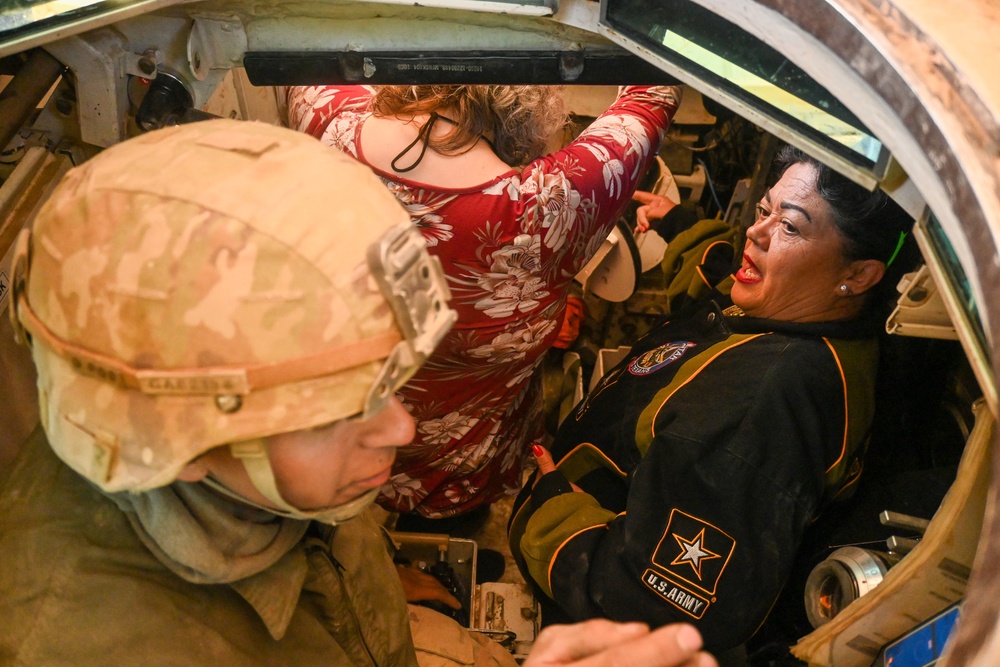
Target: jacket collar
(842,329)
(206,538)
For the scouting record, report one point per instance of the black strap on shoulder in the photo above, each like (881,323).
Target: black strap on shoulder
(424,135)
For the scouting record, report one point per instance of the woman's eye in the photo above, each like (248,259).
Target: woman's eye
(789,227)
(762,212)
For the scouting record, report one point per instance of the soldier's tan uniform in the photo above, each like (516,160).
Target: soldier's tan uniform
(186,290)
(79,587)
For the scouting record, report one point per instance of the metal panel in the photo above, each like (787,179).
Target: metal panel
(448,67)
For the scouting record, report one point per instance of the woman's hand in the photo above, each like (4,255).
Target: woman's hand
(653,207)
(419,586)
(546,464)
(604,643)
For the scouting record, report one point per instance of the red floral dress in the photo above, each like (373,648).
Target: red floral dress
(510,248)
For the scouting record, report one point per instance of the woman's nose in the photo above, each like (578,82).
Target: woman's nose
(759,233)
(391,427)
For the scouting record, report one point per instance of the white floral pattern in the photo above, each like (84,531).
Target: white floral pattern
(453,426)
(514,346)
(513,282)
(510,248)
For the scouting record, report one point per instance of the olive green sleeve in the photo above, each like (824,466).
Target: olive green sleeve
(558,521)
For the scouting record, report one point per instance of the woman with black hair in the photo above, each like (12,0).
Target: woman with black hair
(681,486)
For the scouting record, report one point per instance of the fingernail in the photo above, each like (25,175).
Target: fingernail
(688,638)
(537,450)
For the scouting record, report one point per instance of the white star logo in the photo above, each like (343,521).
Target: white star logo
(693,553)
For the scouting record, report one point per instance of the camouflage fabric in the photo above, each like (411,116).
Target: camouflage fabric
(147,298)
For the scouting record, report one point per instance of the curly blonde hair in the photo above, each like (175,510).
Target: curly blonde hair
(520,118)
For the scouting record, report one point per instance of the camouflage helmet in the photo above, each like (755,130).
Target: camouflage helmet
(217,283)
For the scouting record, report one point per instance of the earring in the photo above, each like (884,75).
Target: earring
(843,289)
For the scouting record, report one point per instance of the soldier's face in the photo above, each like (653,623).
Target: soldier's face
(327,466)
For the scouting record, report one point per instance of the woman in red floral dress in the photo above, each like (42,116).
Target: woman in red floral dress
(512,228)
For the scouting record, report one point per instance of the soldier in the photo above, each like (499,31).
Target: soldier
(218,349)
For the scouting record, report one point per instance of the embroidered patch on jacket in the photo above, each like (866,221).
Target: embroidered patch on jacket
(733,311)
(688,563)
(659,357)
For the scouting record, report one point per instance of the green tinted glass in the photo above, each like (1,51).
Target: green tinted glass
(26,19)
(743,66)
(16,15)
(959,282)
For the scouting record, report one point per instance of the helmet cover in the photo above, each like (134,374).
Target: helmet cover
(200,285)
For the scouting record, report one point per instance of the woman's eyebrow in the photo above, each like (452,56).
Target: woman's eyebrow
(785,206)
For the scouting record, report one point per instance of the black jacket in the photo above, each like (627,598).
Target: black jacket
(703,457)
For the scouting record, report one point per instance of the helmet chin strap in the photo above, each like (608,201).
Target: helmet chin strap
(253,455)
